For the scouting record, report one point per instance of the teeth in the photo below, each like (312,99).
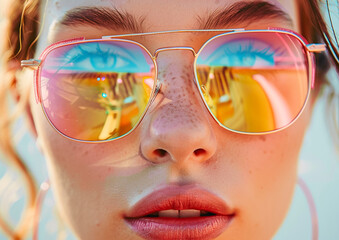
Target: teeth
(189,213)
(169,213)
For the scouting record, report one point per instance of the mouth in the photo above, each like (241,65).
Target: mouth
(180,212)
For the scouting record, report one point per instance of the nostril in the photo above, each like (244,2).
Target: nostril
(160,152)
(199,152)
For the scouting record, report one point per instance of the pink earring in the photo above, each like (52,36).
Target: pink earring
(312,208)
(44,187)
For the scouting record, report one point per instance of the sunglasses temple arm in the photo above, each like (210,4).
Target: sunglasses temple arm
(31,63)
(316,47)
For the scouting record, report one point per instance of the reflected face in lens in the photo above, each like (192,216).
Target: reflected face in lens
(178,149)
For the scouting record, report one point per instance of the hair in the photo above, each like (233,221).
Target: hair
(21,34)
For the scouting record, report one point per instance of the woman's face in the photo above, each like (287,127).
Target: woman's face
(178,155)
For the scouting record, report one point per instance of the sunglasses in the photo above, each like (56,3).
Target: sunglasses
(251,81)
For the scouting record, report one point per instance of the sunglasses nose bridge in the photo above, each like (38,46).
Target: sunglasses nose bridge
(159,50)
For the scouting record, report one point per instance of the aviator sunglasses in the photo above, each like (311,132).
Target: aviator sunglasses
(251,81)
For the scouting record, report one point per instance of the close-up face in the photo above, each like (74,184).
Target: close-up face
(180,174)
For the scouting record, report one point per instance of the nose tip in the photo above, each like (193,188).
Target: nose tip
(178,139)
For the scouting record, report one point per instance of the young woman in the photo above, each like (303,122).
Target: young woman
(166,119)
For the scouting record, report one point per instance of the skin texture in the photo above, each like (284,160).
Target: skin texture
(95,184)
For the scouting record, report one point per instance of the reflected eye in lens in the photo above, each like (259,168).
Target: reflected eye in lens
(253,82)
(243,52)
(96,90)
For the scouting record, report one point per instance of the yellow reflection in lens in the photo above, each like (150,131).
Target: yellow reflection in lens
(103,105)
(253,100)
(124,102)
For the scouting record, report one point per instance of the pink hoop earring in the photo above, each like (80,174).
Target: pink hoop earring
(44,187)
(312,208)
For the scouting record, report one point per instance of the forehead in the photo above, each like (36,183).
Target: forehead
(157,15)
(174,14)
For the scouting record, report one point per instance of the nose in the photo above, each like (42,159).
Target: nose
(177,128)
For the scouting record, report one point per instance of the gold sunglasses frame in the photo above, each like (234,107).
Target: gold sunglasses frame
(309,48)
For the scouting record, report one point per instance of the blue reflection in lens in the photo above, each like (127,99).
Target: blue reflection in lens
(240,53)
(104,57)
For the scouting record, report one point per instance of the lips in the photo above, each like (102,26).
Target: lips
(179,212)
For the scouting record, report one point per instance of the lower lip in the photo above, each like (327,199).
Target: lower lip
(197,228)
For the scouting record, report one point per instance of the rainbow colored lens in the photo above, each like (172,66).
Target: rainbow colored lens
(96,90)
(253,82)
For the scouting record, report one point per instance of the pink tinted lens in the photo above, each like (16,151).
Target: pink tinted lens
(254,82)
(96,90)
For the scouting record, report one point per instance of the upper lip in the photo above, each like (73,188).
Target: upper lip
(178,197)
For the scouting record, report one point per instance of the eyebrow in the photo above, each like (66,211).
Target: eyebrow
(109,18)
(115,19)
(243,13)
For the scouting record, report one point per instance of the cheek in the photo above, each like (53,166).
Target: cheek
(85,180)
(258,174)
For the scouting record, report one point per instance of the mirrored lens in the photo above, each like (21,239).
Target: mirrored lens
(96,90)
(253,82)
